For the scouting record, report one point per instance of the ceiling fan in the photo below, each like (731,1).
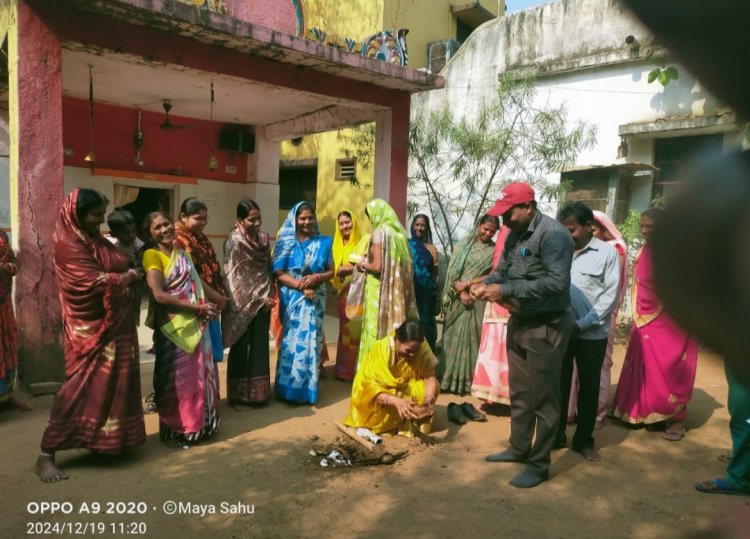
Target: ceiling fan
(167,124)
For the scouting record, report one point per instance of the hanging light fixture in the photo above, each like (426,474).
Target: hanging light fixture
(138,142)
(213,162)
(90,157)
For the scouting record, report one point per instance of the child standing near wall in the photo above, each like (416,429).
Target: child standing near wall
(122,229)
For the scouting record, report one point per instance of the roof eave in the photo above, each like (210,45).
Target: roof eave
(227,32)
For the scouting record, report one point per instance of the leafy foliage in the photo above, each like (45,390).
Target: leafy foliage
(457,165)
(631,230)
(664,74)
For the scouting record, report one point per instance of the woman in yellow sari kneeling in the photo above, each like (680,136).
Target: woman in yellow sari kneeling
(395,387)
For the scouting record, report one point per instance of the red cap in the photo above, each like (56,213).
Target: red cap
(510,195)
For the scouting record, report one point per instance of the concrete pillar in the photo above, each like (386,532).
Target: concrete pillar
(392,155)
(36,180)
(263,178)
(613,189)
(382,184)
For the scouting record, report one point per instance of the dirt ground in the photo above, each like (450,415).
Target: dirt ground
(642,488)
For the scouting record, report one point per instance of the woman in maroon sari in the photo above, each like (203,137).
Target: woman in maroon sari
(98,406)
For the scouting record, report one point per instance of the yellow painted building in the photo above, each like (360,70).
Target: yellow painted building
(311,166)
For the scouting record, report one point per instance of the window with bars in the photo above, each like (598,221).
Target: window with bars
(346,169)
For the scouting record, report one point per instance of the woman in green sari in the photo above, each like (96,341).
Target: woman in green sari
(462,328)
(388,287)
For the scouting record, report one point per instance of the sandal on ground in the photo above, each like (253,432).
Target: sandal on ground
(149,406)
(674,434)
(177,443)
(238,407)
(720,486)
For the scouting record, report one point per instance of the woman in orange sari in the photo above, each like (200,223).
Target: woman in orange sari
(189,233)
(98,406)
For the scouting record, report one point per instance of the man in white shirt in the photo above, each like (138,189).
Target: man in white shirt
(595,281)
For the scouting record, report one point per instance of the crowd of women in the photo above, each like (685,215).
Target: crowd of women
(389,302)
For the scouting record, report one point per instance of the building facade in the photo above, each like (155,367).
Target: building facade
(152,101)
(322,167)
(594,57)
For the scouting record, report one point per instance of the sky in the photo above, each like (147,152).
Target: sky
(518,5)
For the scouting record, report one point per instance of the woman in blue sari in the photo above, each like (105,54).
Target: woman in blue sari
(303,263)
(425,257)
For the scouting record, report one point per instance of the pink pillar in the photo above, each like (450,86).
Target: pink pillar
(37,172)
(400,155)
(392,154)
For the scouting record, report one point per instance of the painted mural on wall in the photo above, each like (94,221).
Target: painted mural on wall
(383,45)
(218,6)
(300,17)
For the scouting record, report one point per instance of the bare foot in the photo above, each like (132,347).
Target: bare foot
(47,470)
(590,454)
(17,404)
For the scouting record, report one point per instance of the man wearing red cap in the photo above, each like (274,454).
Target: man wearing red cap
(533,276)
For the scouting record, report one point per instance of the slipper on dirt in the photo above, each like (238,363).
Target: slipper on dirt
(673,435)
(720,486)
(149,406)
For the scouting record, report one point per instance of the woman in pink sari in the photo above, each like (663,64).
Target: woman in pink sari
(185,383)
(605,230)
(490,382)
(657,376)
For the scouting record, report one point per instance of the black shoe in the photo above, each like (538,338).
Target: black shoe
(472,413)
(455,414)
(561,442)
(529,479)
(505,456)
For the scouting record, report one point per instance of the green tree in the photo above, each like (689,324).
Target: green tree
(457,165)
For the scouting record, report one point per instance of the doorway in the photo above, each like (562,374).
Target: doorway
(297,183)
(149,200)
(673,155)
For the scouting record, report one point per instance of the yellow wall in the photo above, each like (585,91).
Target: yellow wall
(332,196)
(10,16)
(427,20)
(356,19)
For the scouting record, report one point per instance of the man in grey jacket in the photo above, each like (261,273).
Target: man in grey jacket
(533,279)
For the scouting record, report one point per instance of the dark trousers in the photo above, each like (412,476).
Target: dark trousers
(535,353)
(589,357)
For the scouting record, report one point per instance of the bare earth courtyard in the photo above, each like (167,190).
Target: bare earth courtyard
(260,463)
